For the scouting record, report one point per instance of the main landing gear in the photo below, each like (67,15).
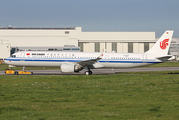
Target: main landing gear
(89,72)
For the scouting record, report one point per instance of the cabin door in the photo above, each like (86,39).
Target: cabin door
(22,56)
(144,58)
(107,58)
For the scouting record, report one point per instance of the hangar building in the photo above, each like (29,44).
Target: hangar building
(44,38)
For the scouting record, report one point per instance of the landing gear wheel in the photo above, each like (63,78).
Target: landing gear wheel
(88,73)
(16,73)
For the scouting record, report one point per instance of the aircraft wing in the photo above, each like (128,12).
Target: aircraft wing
(165,58)
(91,61)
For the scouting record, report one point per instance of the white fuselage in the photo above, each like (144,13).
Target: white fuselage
(55,59)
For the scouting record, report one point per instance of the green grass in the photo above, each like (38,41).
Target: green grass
(141,95)
(150,73)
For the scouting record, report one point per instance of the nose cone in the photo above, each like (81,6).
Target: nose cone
(7,61)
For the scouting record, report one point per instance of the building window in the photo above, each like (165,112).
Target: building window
(130,47)
(97,47)
(75,48)
(146,47)
(67,32)
(114,46)
(66,49)
(81,46)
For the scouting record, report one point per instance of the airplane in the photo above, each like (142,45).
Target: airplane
(77,61)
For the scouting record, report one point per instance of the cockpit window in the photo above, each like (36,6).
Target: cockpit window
(13,56)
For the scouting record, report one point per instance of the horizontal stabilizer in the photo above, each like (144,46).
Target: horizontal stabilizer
(165,58)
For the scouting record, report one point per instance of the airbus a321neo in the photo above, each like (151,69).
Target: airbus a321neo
(77,61)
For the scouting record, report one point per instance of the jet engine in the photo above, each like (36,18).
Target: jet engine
(71,67)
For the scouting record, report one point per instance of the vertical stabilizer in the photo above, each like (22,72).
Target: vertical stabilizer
(162,45)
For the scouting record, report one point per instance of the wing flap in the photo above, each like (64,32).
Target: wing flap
(87,62)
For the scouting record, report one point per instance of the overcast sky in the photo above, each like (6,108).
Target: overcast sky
(93,15)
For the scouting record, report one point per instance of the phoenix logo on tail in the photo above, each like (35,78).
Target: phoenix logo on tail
(164,44)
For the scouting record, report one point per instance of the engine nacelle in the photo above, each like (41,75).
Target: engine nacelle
(70,68)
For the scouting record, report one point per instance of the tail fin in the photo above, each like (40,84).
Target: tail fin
(162,45)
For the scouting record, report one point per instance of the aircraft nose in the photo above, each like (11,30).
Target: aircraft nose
(6,61)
